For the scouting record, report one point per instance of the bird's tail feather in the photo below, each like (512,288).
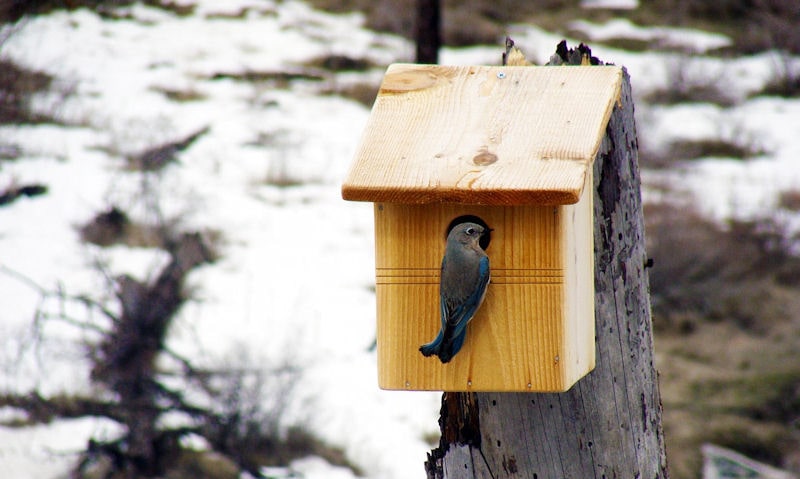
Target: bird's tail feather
(433,347)
(450,348)
(444,349)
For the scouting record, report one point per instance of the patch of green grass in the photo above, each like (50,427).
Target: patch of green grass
(774,396)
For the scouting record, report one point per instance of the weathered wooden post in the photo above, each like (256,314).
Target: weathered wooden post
(547,157)
(609,424)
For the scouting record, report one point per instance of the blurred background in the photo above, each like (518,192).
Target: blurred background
(186,295)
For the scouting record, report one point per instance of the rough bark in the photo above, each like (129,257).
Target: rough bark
(609,424)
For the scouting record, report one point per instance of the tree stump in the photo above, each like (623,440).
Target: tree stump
(609,424)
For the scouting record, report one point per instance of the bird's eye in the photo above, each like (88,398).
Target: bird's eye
(470,231)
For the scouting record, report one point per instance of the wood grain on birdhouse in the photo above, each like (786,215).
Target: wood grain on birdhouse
(483,134)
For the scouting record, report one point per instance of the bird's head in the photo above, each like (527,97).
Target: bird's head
(467,233)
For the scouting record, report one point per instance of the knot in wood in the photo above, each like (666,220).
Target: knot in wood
(484,158)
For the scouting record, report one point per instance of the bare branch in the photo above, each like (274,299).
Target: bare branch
(42,410)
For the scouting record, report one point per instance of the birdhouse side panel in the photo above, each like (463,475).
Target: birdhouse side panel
(578,238)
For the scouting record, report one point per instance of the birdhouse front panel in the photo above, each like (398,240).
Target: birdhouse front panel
(535,329)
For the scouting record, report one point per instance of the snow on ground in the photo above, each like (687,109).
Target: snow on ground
(731,188)
(719,187)
(46,451)
(296,270)
(610,4)
(663,37)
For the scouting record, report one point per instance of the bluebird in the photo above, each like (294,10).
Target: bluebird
(464,278)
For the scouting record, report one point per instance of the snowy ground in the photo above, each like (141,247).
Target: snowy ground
(296,269)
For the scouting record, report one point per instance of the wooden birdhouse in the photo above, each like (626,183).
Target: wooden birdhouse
(511,147)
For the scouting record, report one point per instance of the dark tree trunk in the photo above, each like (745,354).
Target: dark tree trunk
(428,31)
(127,363)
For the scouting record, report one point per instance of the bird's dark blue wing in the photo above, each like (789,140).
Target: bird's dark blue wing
(458,315)
(461,292)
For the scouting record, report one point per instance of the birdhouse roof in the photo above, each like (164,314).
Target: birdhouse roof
(501,135)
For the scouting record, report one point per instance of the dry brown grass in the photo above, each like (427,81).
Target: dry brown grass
(17,86)
(464,22)
(789,200)
(722,384)
(717,272)
(754,25)
(364,93)
(727,336)
(13,11)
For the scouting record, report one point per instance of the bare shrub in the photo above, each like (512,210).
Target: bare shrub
(180,95)
(238,408)
(13,11)
(771,24)
(688,85)
(17,87)
(754,25)
(340,63)
(731,141)
(158,398)
(464,22)
(738,147)
(785,81)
